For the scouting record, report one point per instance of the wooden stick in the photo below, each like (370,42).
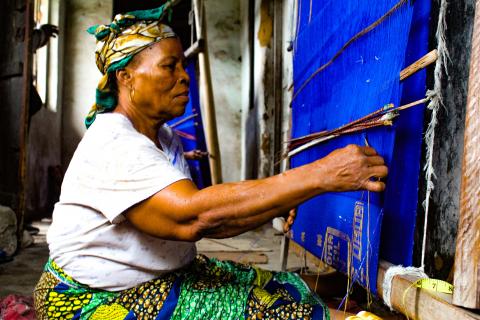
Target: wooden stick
(176,124)
(423,62)
(206,96)
(411,104)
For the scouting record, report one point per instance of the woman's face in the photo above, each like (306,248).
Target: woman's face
(159,80)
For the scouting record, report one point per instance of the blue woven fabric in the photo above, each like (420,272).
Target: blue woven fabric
(361,80)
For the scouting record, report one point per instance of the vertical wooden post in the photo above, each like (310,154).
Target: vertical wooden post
(206,96)
(23,130)
(277,84)
(467,256)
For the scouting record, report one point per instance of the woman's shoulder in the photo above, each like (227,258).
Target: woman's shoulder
(112,138)
(110,122)
(112,144)
(112,129)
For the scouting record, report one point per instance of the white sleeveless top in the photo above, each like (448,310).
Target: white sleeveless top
(114,168)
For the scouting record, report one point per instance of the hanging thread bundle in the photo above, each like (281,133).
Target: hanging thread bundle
(436,100)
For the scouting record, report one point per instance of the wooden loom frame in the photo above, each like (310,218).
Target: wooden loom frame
(467,255)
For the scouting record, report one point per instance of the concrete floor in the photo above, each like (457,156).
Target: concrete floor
(20,275)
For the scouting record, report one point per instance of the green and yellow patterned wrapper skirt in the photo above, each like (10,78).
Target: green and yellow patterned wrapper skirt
(206,289)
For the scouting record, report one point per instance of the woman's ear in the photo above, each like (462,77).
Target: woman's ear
(124,77)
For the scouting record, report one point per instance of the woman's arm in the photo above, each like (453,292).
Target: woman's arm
(182,212)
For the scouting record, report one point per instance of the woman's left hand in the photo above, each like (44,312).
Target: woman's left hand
(195,154)
(290,220)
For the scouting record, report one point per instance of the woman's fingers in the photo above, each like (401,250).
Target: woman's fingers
(369,151)
(290,220)
(375,161)
(380,171)
(374,186)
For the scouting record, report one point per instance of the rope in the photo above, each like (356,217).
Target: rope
(348,43)
(436,100)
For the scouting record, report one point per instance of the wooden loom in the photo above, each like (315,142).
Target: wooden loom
(422,304)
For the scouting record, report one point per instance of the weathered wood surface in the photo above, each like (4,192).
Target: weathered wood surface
(467,256)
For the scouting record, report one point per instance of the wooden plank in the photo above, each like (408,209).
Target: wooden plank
(420,304)
(467,256)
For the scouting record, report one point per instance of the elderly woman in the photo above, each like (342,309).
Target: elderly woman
(122,241)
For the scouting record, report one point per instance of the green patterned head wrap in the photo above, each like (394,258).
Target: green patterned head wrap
(118,42)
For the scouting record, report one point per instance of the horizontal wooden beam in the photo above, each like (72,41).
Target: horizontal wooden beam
(420,304)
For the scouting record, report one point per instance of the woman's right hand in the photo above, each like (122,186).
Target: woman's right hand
(351,168)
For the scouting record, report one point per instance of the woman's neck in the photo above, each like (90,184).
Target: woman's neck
(141,122)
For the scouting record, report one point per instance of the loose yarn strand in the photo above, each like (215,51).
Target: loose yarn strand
(369,293)
(310,13)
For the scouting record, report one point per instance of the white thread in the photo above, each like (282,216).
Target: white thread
(436,100)
(394,271)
